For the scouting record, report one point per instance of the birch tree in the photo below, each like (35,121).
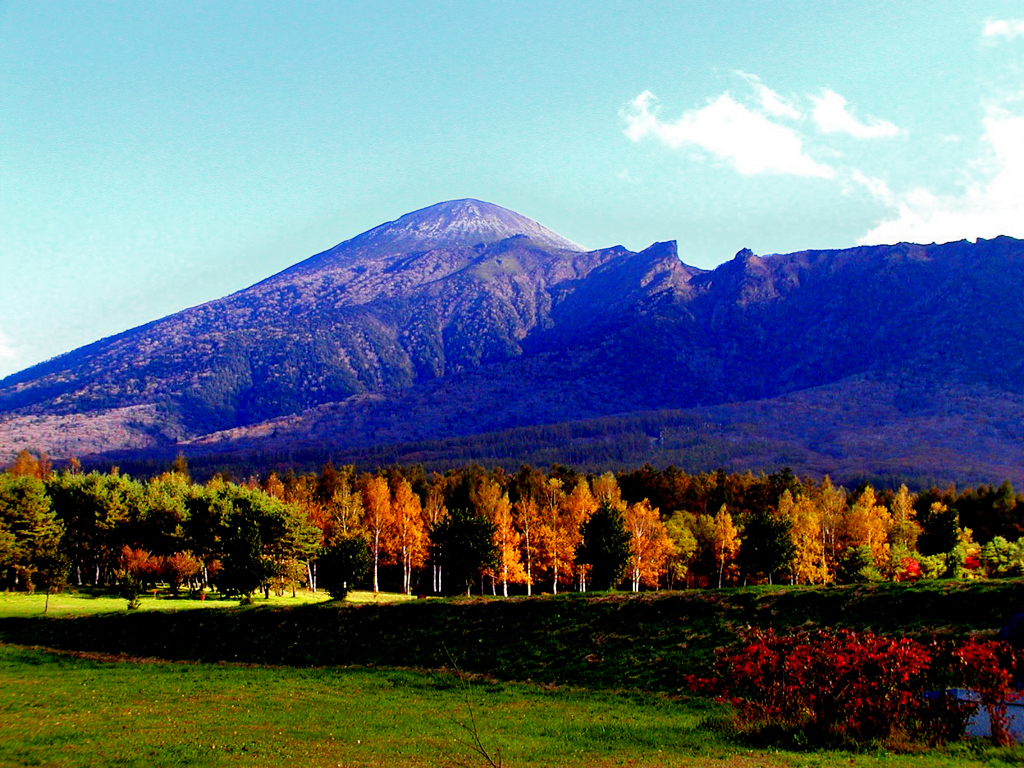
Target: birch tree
(649,544)
(434,512)
(527,517)
(550,532)
(377,510)
(409,537)
(577,508)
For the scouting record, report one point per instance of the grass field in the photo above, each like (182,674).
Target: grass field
(616,640)
(89,602)
(319,684)
(66,711)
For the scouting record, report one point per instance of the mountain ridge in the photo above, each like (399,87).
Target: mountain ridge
(465,317)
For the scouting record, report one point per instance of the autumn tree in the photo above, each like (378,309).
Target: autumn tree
(434,511)
(606,489)
(679,528)
(494,504)
(577,507)
(726,541)
(831,503)
(341,504)
(377,519)
(808,536)
(527,519)
(28,465)
(408,539)
(867,523)
(551,533)
(904,529)
(649,544)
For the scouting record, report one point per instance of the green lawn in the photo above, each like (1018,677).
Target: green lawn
(617,659)
(65,711)
(89,602)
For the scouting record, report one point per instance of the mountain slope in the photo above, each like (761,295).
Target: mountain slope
(465,318)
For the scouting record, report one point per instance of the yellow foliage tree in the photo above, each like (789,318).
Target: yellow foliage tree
(684,545)
(727,541)
(867,523)
(809,566)
(551,532)
(606,488)
(527,520)
(831,503)
(904,529)
(649,544)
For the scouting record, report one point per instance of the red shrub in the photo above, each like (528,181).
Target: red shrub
(860,687)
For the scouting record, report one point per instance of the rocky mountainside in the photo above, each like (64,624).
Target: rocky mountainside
(465,318)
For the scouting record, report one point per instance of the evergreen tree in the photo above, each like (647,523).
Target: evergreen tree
(463,545)
(341,565)
(605,546)
(767,549)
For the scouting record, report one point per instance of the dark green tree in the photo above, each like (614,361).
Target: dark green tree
(858,566)
(244,567)
(29,529)
(341,565)
(52,571)
(605,547)
(101,513)
(463,545)
(941,530)
(767,546)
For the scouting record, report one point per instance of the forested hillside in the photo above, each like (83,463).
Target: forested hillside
(465,319)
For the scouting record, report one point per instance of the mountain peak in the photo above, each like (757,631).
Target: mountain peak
(457,223)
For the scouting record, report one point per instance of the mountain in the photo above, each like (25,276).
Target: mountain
(466,319)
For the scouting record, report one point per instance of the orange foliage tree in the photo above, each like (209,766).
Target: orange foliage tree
(649,544)
(577,508)
(408,539)
(495,506)
(377,508)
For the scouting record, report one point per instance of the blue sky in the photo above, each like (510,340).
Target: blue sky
(156,155)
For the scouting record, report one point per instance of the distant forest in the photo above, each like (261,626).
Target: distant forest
(492,531)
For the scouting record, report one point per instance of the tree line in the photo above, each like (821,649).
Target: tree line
(489,531)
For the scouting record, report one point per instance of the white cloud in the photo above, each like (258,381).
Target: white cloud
(7,350)
(991,206)
(877,187)
(832,116)
(1005,28)
(746,139)
(771,102)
